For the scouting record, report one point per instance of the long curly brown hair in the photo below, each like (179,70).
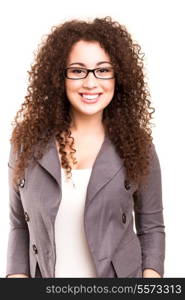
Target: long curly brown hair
(46,109)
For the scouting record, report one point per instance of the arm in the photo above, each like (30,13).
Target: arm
(149,221)
(18,242)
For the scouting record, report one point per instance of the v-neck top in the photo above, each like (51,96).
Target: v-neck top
(73,257)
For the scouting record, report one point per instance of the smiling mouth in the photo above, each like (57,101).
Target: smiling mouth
(90,96)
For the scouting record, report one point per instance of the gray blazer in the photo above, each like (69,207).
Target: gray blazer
(117,249)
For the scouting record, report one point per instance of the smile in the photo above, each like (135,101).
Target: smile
(90,98)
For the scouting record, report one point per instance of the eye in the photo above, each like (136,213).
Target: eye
(103,70)
(76,71)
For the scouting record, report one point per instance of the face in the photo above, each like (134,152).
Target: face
(90,95)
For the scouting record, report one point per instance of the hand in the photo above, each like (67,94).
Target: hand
(150,273)
(18,276)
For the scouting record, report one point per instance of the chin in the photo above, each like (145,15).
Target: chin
(90,113)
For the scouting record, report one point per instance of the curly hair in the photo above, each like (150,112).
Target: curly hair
(45,111)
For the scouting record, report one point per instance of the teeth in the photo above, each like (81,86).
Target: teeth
(90,97)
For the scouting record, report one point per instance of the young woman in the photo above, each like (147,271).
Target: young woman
(82,161)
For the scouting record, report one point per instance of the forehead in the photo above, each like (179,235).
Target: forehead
(87,53)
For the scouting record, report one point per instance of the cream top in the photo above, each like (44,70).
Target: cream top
(73,258)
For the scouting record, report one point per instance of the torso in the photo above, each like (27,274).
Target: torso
(87,149)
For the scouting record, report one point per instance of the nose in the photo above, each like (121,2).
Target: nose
(90,81)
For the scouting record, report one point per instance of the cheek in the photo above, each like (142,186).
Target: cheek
(72,86)
(109,87)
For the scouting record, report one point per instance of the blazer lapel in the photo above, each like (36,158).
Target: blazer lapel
(106,165)
(50,161)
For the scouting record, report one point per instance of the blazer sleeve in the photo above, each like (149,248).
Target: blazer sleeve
(149,219)
(18,241)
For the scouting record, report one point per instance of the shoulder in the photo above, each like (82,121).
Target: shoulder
(154,159)
(13,155)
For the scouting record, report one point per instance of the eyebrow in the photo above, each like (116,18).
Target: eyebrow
(99,63)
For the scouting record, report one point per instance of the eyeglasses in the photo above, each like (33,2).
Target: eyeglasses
(81,73)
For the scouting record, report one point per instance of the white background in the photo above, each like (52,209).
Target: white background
(158,27)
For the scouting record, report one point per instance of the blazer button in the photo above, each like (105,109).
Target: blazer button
(34,249)
(124,218)
(26,216)
(22,182)
(127,185)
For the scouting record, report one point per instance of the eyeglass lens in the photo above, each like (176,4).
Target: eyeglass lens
(79,73)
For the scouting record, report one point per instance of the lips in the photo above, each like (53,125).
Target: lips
(90,97)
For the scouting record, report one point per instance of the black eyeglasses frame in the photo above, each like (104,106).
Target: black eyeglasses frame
(88,71)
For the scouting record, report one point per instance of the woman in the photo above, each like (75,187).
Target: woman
(82,161)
